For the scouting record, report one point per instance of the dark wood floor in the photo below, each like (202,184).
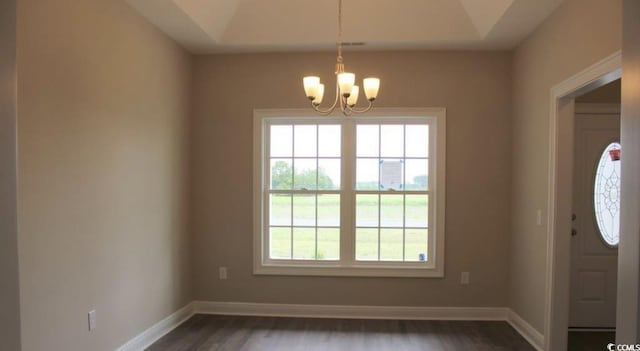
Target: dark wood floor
(233,333)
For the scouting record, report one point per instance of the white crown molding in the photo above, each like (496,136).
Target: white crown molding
(158,330)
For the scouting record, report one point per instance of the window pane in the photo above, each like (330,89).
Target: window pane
(305,141)
(304,210)
(330,140)
(329,174)
(391,174)
(304,243)
(305,174)
(328,244)
(367,171)
(416,244)
(417,211)
(366,210)
(417,141)
(280,242)
(368,141)
(281,174)
(390,244)
(366,244)
(391,210)
(417,175)
(392,141)
(281,141)
(329,210)
(280,208)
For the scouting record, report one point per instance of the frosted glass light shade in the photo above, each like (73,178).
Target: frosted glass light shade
(311,84)
(371,87)
(352,100)
(319,94)
(346,81)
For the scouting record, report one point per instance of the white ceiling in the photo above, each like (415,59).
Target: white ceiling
(211,26)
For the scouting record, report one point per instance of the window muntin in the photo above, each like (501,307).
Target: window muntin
(607,196)
(316,241)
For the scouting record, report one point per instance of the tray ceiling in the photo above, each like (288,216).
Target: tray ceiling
(210,26)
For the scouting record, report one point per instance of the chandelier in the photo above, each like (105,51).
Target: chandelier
(346,90)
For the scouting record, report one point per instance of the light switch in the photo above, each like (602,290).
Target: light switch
(92,320)
(464,278)
(539,218)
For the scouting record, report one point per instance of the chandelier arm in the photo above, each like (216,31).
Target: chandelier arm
(366,109)
(322,112)
(330,109)
(343,106)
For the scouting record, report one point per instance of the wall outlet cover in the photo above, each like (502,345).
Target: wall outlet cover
(92,320)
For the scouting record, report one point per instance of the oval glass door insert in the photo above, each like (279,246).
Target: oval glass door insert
(606,194)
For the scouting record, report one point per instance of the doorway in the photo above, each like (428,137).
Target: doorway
(560,193)
(595,219)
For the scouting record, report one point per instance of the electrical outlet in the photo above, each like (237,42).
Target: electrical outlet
(539,218)
(223,273)
(92,320)
(464,278)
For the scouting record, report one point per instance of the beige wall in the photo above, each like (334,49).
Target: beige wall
(102,127)
(607,94)
(475,87)
(566,43)
(628,317)
(9,292)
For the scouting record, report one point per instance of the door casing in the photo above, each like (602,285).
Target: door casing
(560,192)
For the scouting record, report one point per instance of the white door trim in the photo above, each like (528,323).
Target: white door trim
(559,187)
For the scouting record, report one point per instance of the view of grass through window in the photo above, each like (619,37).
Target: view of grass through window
(391,192)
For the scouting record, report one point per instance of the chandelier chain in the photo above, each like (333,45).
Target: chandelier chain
(340,20)
(339,30)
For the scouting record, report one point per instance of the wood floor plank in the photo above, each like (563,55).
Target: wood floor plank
(238,333)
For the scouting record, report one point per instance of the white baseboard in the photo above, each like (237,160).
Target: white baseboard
(151,335)
(352,312)
(158,330)
(533,336)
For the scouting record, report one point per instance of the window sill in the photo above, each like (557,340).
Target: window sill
(413,271)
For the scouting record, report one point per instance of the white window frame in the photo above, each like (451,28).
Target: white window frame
(348,266)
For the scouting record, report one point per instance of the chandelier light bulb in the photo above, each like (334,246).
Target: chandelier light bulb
(346,82)
(311,84)
(319,94)
(352,100)
(371,87)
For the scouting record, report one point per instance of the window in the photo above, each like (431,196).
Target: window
(606,193)
(359,196)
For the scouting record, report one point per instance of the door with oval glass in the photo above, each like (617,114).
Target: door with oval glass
(596,221)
